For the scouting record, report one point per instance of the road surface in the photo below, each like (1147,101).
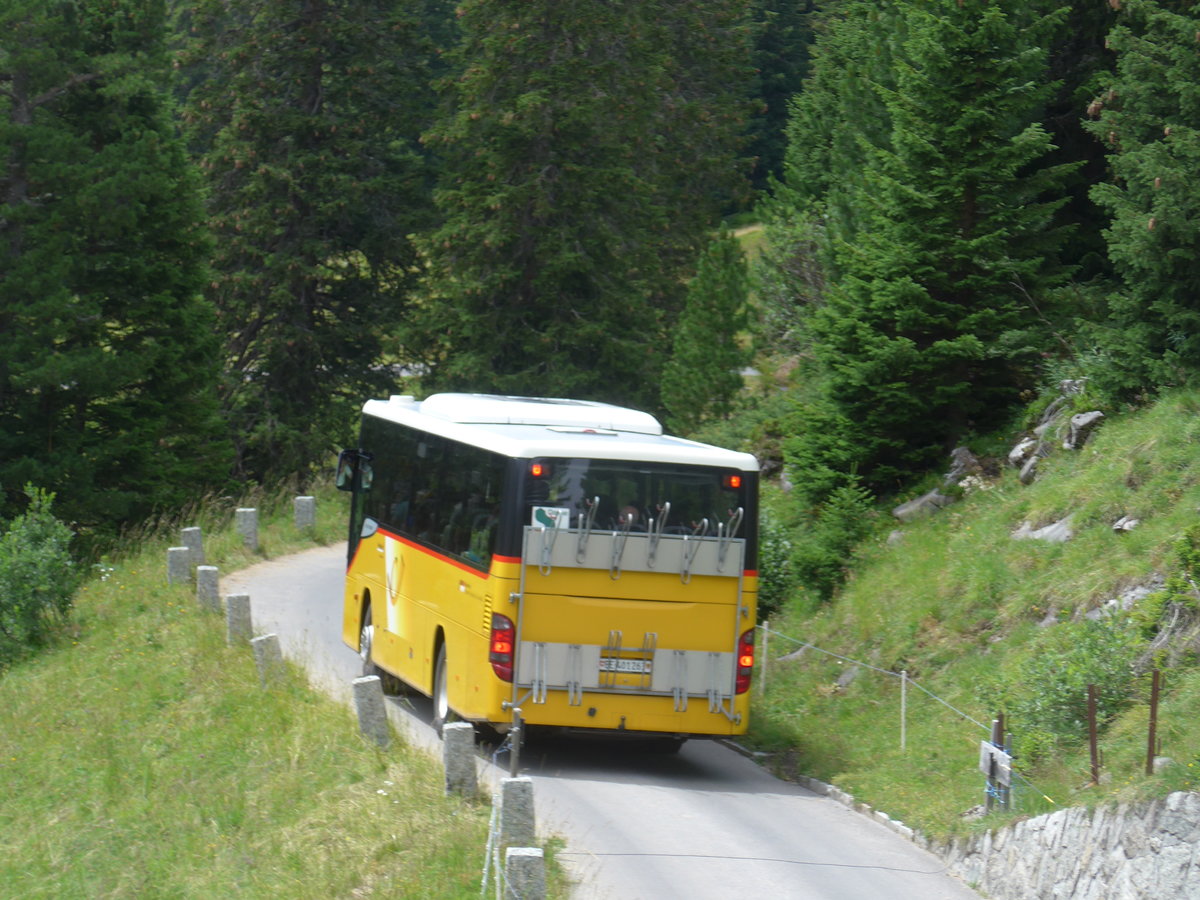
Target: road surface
(638,825)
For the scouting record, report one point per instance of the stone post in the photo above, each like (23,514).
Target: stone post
(372,714)
(458,755)
(247,527)
(194,541)
(238,626)
(305,509)
(207,580)
(268,658)
(178,571)
(516,812)
(525,872)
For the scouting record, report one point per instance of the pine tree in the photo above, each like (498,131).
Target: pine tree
(588,149)
(783,39)
(703,375)
(308,118)
(1149,119)
(108,363)
(922,337)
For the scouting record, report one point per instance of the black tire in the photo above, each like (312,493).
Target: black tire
(442,713)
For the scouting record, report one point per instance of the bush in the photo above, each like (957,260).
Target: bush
(823,552)
(1052,695)
(38,579)
(776,574)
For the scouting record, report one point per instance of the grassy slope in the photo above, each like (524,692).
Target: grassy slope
(142,759)
(958,603)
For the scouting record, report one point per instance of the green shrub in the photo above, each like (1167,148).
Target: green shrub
(823,552)
(38,578)
(1051,694)
(776,574)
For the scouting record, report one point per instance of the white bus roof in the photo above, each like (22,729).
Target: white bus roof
(528,427)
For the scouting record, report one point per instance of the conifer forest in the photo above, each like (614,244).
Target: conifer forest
(226,223)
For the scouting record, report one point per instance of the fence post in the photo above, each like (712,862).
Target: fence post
(1092,745)
(903,708)
(178,571)
(268,658)
(372,714)
(194,541)
(458,756)
(238,625)
(305,511)
(206,588)
(762,670)
(525,872)
(1151,750)
(517,823)
(247,527)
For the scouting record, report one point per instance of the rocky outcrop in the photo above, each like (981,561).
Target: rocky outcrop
(921,506)
(1057,533)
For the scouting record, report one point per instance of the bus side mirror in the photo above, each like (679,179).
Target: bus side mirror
(350,462)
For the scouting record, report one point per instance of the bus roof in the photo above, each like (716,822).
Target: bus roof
(528,427)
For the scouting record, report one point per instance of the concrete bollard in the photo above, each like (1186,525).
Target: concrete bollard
(178,570)
(516,812)
(305,509)
(268,658)
(372,714)
(238,626)
(525,873)
(458,755)
(207,581)
(194,541)
(247,527)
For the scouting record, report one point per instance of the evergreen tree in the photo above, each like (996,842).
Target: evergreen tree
(703,375)
(832,125)
(782,44)
(921,337)
(108,363)
(308,120)
(1149,120)
(588,149)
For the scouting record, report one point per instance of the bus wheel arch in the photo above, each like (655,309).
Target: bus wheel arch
(366,638)
(443,713)
(366,635)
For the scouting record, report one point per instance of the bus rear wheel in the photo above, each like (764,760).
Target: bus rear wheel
(442,713)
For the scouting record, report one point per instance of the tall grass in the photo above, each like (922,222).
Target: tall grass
(141,758)
(974,615)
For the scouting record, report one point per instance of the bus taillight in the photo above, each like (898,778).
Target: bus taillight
(745,661)
(504,637)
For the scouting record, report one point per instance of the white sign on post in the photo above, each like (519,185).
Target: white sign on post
(989,753)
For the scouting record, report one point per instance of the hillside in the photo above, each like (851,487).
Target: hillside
(986,623)
(142,758)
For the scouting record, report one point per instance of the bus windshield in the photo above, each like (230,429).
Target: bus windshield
(629,495)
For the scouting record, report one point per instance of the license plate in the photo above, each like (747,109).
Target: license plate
(628,666)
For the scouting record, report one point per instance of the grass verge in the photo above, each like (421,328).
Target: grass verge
(142,759)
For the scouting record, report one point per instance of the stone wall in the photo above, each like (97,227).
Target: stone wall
(1145,851)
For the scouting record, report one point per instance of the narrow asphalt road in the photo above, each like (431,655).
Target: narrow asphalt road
(638,825)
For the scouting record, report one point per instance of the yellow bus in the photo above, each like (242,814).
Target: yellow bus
(561,557)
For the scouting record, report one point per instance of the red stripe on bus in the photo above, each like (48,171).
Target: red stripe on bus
(428,552)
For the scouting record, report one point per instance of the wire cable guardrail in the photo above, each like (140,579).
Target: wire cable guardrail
(905,681)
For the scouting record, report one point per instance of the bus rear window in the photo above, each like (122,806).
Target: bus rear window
(634,493)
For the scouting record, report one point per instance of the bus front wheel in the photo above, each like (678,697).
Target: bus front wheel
(390,683)
(442,713)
